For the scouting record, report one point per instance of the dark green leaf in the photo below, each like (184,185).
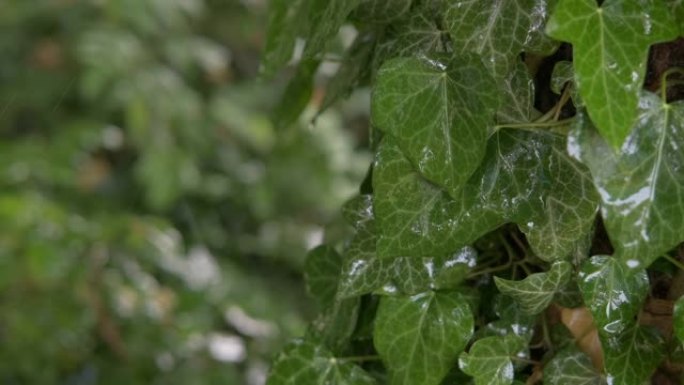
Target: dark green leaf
(321,272)
(419,337)
(336,324)
(536,292)
(327,23)
(632,356)
(517,94)
(570,366)
(440,112)
(499,30)
(489,359)
(296,96)
(285,21)
(307,363)
(612,292)
(610,48)
(642,186)
(382,11)
(526,178)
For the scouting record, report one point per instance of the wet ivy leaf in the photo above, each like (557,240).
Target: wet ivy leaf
(305,362)
(286,19)
(381,11)
(610,47)
(439,111)
(499,30)
(613,293)
(678,319)
(321,273)
(512,320)
(334,14)
(358,210)
(632,356)
(570,366)
(489,359)
(420,337)
(527,178)
(536,291)
(517,94)
(405,275)
(642,186)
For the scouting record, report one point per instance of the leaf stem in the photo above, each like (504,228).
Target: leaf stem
(673,261)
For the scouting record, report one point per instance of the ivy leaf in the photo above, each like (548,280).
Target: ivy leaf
(570,366)
(536,292)
(526,178)
(489,359)
(678,319)
(296,96)
(286,19)
(419,337)
(517,93)
(336,324)
(321,272)
(440,112)
(381,11)
(405,275)
(334,14)
(610,47)
(358,210)
(304,362)
(613,293)
(632,356)
(642,187)
(512,320)
(499,30)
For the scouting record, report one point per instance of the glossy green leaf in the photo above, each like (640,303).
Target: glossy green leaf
(307,363)
(382,11)
(489,359)
(420,337)
(517,96)
(336,324)
(613,293)
(632,356)
(678,319)
(516,183)
(642,186)
(536,291)
(327,24)
(358,210)
(512,320)
(499,30)
(285,21)
(439,111)
(405,275)
(610,48)
(321,272)
(571,366)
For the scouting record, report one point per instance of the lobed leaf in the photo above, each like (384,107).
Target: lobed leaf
(571,366)
(489,359)
(632,356)
(536,291)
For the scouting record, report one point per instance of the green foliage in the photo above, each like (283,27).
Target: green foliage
(526,190)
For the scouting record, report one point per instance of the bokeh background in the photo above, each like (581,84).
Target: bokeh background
(154,217)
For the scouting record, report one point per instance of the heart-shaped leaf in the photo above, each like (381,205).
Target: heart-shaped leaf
(536,292)
(489,359)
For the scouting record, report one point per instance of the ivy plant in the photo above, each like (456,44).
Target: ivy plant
(523,218)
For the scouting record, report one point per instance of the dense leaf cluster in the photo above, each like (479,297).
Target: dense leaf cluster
(521,219)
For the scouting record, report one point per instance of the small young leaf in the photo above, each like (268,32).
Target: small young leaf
(304,362)
(612,292)
(440,112)
(570,366)
(499,30)
(536,292)
(489,359)
(632,356)
(321,272)
(610,47)
(642,186)
(419,337)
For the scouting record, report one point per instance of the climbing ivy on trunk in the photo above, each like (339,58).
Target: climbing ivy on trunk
(522,220)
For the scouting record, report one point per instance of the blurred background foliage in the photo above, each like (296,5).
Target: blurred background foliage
(153,219)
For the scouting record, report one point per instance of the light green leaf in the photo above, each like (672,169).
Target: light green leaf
(419,337)
(489,359)
(612,292)
(678,319)
(440,112)
(321,272)
(499,30)
(610,47)
(381,11)
(287,19)
(334,14)
(570,366)
(642,186)
(517,94)
(307,363)
(536,291)
(404,275)
(527,178)
(632,356)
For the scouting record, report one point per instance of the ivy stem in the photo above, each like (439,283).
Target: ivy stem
(359,358)
(565,96)
(673,261)
(663,81)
